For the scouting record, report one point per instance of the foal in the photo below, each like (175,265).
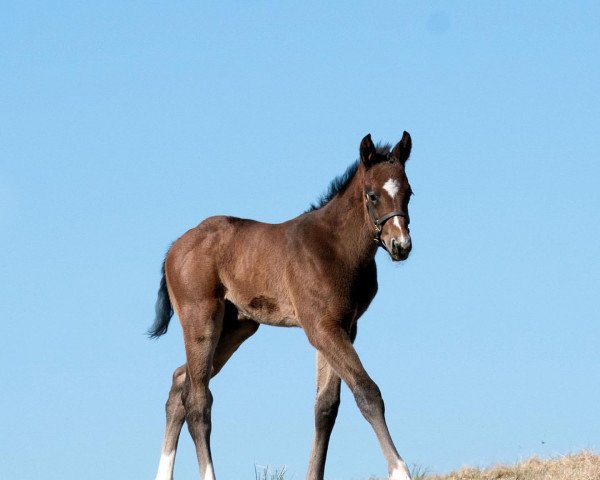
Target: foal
(317,271)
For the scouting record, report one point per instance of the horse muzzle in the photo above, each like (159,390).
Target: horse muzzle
(400,247)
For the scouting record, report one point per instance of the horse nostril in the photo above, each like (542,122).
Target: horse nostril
(400,244)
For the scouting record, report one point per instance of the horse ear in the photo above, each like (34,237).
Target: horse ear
(401,151)
(367,151)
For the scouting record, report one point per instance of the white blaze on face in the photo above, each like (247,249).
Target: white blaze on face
(391,186)
(165,467)
(404,237)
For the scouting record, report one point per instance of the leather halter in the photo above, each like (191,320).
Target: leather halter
(379,222)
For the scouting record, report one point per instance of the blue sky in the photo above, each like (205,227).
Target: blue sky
(123,124)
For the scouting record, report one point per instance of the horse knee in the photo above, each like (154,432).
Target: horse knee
(369,400)
(326,410)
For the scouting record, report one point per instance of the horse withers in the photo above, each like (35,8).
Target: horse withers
(317,271)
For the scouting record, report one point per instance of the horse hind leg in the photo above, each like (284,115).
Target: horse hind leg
(235,331)
(202,323)
(175,413)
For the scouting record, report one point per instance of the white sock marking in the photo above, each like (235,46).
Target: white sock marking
(165,467)
(400,472)
(208,473)
(391,186)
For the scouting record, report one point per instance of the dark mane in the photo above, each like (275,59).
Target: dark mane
(340,183)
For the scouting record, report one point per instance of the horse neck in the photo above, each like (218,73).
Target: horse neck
(348,222)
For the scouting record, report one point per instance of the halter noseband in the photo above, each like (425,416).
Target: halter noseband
(379,222)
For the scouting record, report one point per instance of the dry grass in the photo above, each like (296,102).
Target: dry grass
(580,466)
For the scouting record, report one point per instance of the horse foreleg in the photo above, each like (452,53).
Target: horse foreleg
(175,413)
(335,345)
(326,409)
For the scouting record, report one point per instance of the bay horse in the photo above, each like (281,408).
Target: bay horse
(317,271)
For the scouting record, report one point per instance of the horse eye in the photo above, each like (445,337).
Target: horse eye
(373,197)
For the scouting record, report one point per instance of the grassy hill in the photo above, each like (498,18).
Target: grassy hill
(580,466)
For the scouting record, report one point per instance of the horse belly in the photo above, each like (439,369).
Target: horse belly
(265,310)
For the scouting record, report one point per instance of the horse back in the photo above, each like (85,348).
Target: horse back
(270,272)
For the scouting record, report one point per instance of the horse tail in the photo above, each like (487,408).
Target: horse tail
(164,309)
